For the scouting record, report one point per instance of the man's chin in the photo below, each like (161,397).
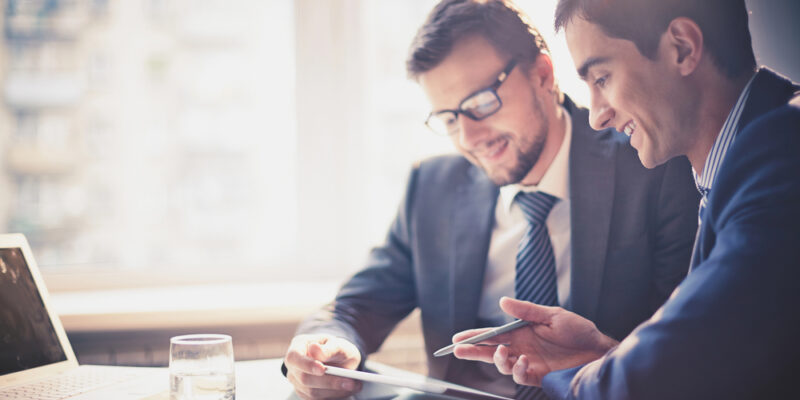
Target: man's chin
(502,178)
(648,161)
(501,175)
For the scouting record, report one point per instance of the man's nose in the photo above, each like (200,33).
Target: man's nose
(470,132)
(601,114)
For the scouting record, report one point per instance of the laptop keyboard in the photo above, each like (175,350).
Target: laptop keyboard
(68,384)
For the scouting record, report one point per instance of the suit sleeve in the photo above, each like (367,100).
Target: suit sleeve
(676,219)
(374,300)
(730,330)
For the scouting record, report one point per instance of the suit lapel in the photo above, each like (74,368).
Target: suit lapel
(591,174)
(472,220)
(767,92)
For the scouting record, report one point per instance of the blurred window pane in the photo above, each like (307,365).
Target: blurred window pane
(209,140)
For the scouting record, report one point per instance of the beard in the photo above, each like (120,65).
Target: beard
(529,149)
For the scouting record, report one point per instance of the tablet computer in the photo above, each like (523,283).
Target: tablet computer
(416,382)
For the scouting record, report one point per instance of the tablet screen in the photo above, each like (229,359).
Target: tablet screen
(419,383)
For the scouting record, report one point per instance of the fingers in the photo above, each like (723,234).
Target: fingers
(337,352)
(475,353)
(495,340)
(297,359)
(464,335)
(306,371)
(326,354)
(322,387)
(522,374)
(309,353)
(307,375)
(503,360)
(329,352)
(526,310)
(520,370)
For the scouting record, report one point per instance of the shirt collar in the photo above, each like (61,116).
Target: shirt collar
(555,180)
(720,147)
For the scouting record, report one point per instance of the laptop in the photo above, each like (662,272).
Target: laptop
(36,359)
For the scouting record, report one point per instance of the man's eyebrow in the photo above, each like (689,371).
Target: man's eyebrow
(583,70)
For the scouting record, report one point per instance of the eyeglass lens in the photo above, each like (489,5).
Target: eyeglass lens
(478,106)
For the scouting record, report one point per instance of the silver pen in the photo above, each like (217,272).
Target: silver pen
(483,336)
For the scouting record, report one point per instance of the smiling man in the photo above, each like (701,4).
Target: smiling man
(537,206)
(680,77)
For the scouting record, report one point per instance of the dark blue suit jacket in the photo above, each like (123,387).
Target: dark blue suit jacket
(731,329)
(632,232)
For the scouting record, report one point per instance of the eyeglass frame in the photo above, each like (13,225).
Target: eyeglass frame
(501,77)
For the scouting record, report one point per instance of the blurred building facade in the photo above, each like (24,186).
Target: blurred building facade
(50,79)
(225,138)
(195,135)
(134,130)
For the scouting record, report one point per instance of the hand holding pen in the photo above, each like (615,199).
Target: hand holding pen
(480,337)
(547,339)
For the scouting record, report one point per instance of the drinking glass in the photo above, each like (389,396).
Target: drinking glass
(201,367)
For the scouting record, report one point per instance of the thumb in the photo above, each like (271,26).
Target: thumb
(319,352)
(526,310)
(330,352)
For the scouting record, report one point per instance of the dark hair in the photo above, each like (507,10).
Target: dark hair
(499,21)
(726,35)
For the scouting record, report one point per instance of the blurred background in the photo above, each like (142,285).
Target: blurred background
(250,149)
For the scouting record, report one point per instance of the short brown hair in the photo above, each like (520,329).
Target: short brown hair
(726,34)
(499,21)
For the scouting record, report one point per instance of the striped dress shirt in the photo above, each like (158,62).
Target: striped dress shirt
(717,154)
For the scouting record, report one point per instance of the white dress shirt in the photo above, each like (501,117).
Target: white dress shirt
(510,224)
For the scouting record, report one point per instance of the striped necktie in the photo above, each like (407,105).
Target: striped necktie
(536,265)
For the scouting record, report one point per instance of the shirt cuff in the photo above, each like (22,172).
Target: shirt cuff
(284,370)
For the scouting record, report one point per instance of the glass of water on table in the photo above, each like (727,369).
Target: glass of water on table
(201,367)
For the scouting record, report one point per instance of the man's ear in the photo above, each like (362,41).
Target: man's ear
(540,73)
(684,40)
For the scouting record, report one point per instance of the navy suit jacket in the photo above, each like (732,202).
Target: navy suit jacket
(632,232)
(731,329)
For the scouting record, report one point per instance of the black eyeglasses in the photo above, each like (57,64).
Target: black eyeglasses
(477,106)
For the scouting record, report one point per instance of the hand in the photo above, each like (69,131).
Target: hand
(556,339)
(304,362)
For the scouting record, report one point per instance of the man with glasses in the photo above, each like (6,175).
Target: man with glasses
(538,206)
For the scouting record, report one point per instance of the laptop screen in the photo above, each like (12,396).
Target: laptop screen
(27,336)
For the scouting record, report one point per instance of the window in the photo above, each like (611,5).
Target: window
(183,141)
